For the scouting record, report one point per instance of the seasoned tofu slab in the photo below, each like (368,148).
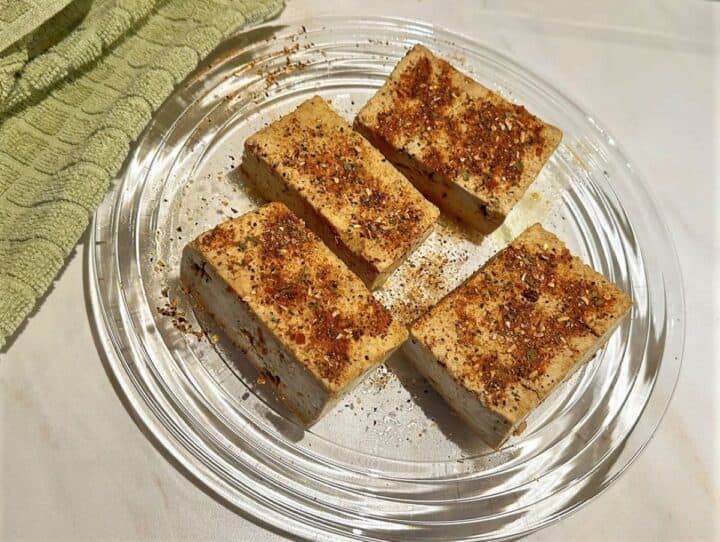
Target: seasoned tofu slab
(366,211)
(500,343)
(466,148)
(305,321)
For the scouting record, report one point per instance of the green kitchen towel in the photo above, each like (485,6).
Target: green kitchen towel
(20,17)
(79,80)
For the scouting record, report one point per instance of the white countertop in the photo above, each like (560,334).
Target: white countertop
(75,466)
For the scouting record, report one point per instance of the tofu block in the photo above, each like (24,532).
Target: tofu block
(366,211)
(499,344)
(305,321)
(469,150)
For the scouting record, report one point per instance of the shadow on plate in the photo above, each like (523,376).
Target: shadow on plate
(237,360)
(434,406)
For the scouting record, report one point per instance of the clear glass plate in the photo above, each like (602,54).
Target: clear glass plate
(390,462)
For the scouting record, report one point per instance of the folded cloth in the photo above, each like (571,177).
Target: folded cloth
(20,18)
(74,93)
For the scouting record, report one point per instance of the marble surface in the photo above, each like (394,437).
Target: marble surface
(75,466)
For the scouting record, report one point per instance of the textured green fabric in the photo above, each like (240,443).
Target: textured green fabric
(19,18)
(73,95)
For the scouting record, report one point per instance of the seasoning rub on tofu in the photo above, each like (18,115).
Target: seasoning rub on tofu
(500,343)
(466,148)
(305,321)
(366,211)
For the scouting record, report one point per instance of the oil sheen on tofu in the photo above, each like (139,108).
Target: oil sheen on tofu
(303,319)
(498,345)
(366,211)
(469,150)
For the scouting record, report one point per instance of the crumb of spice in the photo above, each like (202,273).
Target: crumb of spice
(179,318)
